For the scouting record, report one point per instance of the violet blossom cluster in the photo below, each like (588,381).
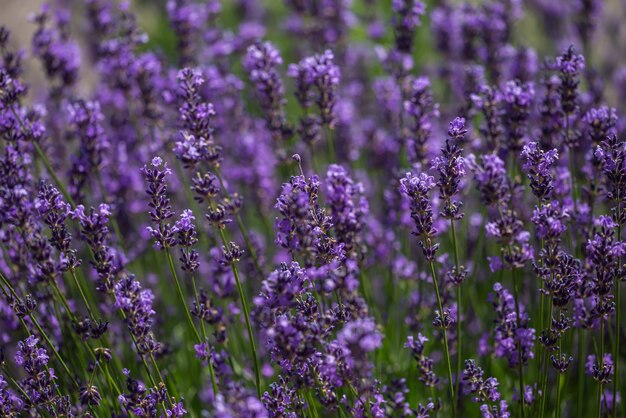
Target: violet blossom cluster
(446,239)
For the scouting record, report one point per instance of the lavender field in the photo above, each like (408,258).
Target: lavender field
(312,208)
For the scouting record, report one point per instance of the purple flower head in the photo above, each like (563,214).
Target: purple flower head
(500,410)
(417,189)
(348,206)
(160,207)
(518,98)
(423,110)
(491,179)
(424,363)
(261,62)
(600,124)
(484,390)
(186,236)
(569,65)
(538,165)
(39,385)
(317,78)
(196,141)
(612,156)
(187,19)
(360,336)
(59,55)
(136,302)
(54,211)
(509,336)
(85,120)
(457,129)
(488,101)
(94,230)
(407,17)
(451,169)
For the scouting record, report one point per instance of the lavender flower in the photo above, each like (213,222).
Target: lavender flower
(406,19)
(423,110)
(39,384)
(509,337)
(94,231)
(451,169)
(86,124)
(424,363)
(161,210)
(569,66)
(196,142)
(186,238)
(519,98)
(491,179)
(483,389)
(416,189)
(537,165)
(348,206)
(260,62)
(317,78)
(136,303)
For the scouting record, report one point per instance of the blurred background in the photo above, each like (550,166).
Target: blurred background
(543,22)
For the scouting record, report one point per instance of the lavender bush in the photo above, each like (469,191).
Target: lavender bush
(313,208)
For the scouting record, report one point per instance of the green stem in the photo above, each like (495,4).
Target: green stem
(557,411)
(242,228)
(616,349)
(181,296)
(204,336)
(544,374)
(331,146)
(600,356)
(246,313)
(458,310)
(581,371)
(520,366)
(445,338)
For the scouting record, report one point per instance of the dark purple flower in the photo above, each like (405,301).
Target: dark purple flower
(451,168)
(569,66)
(348,206)
(85,122)
(317,78)
(187,237)
(518,98)
(423,110)
(136,303)
(94,230)
(483,389)
(424,363)
(261,62)
(160,208)
(491,179)
(417,189)
(405,20)
(538,165)
(510,337)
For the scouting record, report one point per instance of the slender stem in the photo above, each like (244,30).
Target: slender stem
(246,313)
(557,411)
(204,336)
(458,310)
(181,295)
(445,338)
(544,374)
(581,371)
(331,145)
(601,357)
(520,365)
(618,329)
(242,228)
